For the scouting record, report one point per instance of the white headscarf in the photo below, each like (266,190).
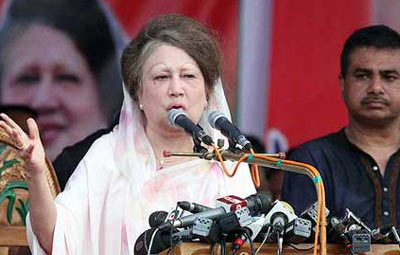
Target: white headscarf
(130,155)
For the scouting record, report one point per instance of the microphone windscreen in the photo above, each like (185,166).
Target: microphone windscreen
(157,218)
(259,203)
(160,242)
(172,115)
(213,117)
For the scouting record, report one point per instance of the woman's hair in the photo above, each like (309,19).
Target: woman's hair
(176,30)
(85,22)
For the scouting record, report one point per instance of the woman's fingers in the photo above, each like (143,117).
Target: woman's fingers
(11,128)
(29,146)
(22,140)
(33,129)
(11,122)
(6,127)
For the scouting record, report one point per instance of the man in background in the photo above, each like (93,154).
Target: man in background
(359,164)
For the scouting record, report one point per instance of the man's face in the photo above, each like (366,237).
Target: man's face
(371,88)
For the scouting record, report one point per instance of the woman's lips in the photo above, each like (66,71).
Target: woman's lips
(176,106)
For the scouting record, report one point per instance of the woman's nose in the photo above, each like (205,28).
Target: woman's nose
(176,87)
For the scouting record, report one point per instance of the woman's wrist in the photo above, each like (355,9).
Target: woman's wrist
(36,176)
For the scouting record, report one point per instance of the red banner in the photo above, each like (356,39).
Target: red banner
(304,90)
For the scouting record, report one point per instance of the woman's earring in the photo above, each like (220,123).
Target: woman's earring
(141,107)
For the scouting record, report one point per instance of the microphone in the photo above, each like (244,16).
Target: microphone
(218,121)
(203,229)
(192,207)
(381,233)
(157,218)
(161,241)
(162,238)
(386,234)
(179,118)
(352,231)
(257,203)
(297,231)
(311,214)
(280,214)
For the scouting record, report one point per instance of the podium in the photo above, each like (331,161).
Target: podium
(197,248)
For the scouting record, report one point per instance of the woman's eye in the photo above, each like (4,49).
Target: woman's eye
(161,77)
(27,79)
(189,76)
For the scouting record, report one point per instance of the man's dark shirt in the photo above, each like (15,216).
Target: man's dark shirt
(352,180)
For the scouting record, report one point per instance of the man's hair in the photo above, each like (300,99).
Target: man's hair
(176,30)
(86,24)
(377,36)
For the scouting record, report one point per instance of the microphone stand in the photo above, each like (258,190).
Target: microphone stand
(228,155)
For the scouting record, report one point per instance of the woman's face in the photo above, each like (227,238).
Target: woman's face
(43,70)
(171,79)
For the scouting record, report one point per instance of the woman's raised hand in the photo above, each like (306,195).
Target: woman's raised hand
(29,146)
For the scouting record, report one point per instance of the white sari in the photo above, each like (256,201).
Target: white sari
(107,201)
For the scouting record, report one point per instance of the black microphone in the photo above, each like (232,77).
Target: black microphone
(178,118)
(218,121)
(161,241)
(157,218)
(192,207)
(381,233)
(386,234)
(257,203)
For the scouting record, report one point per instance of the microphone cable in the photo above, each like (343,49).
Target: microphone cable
(151,241)
(255,175)
(222,246)
(248,237)
(264,240)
